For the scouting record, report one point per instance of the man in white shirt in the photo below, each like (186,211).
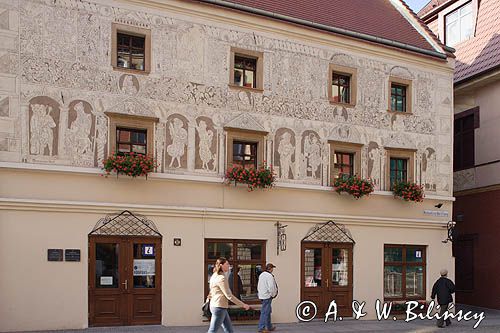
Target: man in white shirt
(267,289)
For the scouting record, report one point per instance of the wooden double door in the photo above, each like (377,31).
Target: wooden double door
(124,280)
(327,275)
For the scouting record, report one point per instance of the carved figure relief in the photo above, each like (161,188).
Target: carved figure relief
(311,155)
(129,84)
(206,144)
(43,126)
(80,135)
(101,139)
(428,168)
(178,138)
(160,144)
(285,153)
(374,163)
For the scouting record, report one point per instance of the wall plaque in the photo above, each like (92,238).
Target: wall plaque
(72,255)
(54,254)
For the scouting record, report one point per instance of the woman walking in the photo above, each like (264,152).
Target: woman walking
(220,295)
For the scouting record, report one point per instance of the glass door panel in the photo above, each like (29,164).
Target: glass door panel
(106,265)
(312,268)
(144,265)
(340,267)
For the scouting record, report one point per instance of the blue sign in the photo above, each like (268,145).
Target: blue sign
(148,250)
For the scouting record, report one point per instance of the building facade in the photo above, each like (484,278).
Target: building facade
(202,88)
(471,27)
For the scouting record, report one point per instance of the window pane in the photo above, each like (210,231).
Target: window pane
(414,281)
(340,267)
(137,63)
(249,252)
(123,135)
(139,149)
(249,79)
(452,32)
(393,281)
(144,269)
(312,267)
(344,92)
(216,250)
(210,272)
(466,27)
(393,254)
(414,254)
(106,265)
(124,148)
(138,42)
(238,77)
(246,284)
(335,93)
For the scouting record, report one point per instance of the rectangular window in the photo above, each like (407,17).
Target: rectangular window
(245,154)
(244,148)
(398,97)
(398,170)
(131,140)
(344,163)
(245,71)
(341,88)
(131,51)
(247,259)
(131,48)
(464,144)
(404,272)
(459,25)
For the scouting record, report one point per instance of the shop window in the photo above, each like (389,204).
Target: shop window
(131,48)
(404,272)
(130,133)
(399,95)
(400,166)
(459,25)
(247,259)
(345,159)
(246,69)
(342,85)
(245,149)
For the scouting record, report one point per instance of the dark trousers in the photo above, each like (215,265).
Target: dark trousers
(442,310)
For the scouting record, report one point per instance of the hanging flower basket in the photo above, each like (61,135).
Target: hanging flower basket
(408,191)
(129,164)
(262,177)
(354,185)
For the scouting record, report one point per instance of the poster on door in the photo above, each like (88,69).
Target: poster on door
(144,267)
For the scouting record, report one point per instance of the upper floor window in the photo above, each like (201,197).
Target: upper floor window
(131,140)
(245,154)
(342,85)
(131,48)
(345,159)
(246,69)
(464,144)
(458,25)
(399,170)
(131,51)
(399,95)
(400,166)
(344,163)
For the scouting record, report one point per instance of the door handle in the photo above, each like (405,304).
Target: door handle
(126,284)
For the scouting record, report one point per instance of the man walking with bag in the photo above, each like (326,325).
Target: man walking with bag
(443,288)
(267,289)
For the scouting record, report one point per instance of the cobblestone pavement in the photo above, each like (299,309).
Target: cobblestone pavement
(491,323)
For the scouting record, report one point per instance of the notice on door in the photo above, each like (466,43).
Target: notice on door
(144,267)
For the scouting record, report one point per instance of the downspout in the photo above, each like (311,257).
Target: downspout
(320,26)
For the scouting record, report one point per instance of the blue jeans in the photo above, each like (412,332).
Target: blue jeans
(265,314)
(220,317)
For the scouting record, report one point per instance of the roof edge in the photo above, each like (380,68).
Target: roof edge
(324,27)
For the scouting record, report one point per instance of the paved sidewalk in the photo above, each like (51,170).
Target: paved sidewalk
(491,323)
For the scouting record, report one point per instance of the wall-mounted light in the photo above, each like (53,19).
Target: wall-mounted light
(450,227)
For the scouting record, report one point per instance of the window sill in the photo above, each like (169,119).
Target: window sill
(257,90)
(348,105)
(399,112)
(131,71)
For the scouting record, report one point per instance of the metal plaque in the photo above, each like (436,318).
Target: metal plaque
(54,254)
(72,255)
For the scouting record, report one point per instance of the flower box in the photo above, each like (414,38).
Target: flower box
(129,164)
(354,185)
(262,177)
(408,191)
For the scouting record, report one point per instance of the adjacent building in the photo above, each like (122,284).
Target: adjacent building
(471,27)
(203,86)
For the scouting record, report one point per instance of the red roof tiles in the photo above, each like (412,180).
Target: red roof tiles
(377,18)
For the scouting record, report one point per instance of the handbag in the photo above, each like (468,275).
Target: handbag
(205,308)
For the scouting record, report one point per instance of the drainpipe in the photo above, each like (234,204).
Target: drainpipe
(320,26)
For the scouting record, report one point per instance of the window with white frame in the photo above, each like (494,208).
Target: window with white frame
(459,25)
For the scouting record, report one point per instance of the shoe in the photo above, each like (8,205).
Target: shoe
(441,326)
(263,331)
(272,329)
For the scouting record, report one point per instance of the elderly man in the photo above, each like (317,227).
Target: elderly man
(267,289)
(443,288)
